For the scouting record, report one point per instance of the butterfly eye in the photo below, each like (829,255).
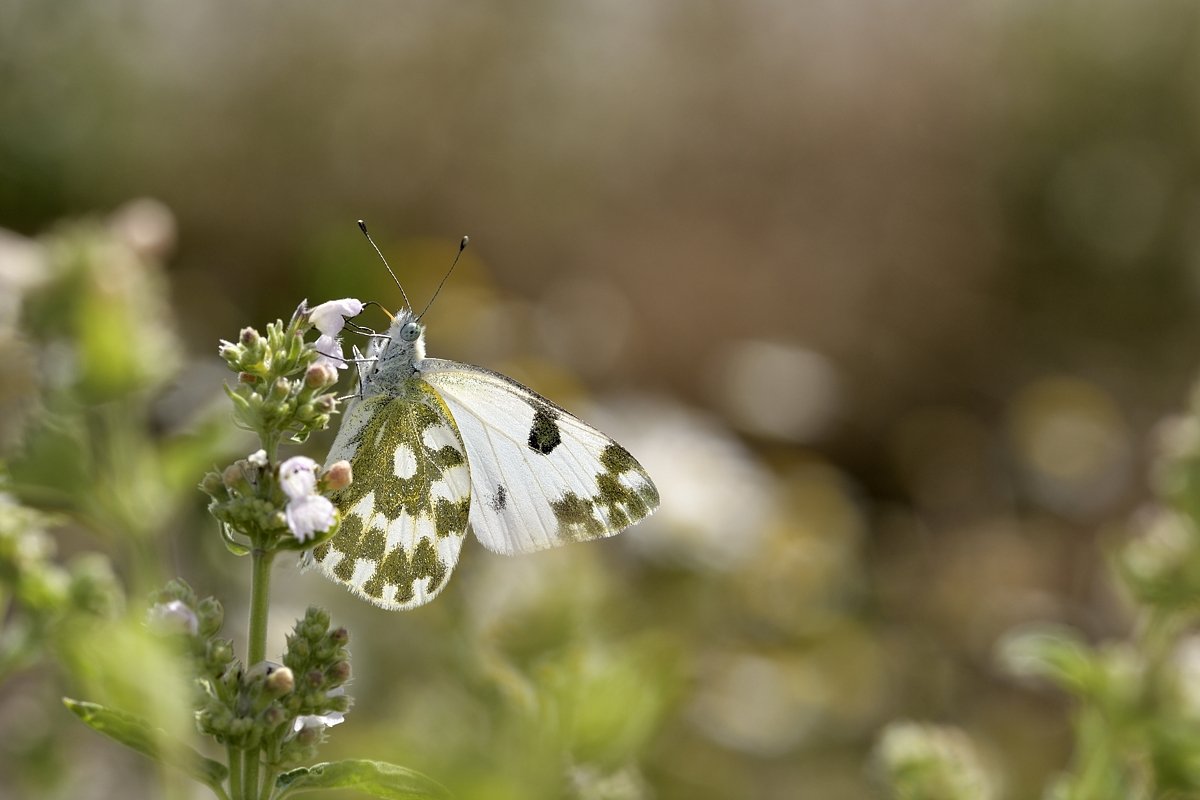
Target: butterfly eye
(410,332)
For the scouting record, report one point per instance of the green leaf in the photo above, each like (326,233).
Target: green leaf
(137,734)
(232,544)
(376,778)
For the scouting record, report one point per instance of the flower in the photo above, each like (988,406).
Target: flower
(329,317)
(298,477)
(318,722)
(173,617)
(309,516)
(258,458)
(329,352)
(307,512)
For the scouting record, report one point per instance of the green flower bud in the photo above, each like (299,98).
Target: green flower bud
(339,672)
(249,337)
(211,485)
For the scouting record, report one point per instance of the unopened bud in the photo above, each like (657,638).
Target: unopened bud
(315,678)
(211,484)
(272,716)
(173,617)
(249,337)
(339,636)
(233,476)
(280,682)
(247,377)
(281,389)
(320,375)
(340,672)
(338,476)
(325,404)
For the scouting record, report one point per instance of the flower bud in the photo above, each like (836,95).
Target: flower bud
(233,477)
(247,377)
(249,337)
(339,672)
(280,682)
(315,678)
(173,617)
(339,636)
(325,404)
(338,476)
(211,615)
(320,375)
(281,389)
(211,484)
(272,716)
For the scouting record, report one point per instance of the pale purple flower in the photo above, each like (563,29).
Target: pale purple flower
(329,317)
(329,351)
(298,477)
(307,512)
(173,617)
(308,516)
(321,721)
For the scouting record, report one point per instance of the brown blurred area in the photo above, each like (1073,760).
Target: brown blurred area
(925,274)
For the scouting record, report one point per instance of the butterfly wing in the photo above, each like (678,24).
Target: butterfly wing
(405,513)
(539,476)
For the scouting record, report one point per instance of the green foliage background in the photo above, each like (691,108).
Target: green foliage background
(889,299)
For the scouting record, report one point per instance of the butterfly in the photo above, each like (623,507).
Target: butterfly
(438,447)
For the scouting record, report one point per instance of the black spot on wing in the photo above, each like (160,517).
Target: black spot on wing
(544,435)
(499,499)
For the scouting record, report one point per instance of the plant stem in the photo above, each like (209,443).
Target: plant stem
(235,773)
(268,787)
(260,602)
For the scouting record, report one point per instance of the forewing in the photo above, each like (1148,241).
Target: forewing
(539,476)
(405,513)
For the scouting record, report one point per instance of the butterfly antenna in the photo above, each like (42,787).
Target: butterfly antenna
(363,227)
(461,246)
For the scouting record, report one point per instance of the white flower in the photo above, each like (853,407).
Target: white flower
(329,317)
(309,516)
(173,617)
(307,512)
(329,351)
(258,458)
(298,477)
(319,722)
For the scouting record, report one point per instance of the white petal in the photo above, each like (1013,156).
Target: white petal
(310,515)
(174,617)
(330,350)
(258,458)
(329,317)
(298,477)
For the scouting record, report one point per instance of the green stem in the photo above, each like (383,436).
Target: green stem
(235,772)
(260,602)
(268,786)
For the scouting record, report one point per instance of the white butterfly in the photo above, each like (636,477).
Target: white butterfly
(437,447)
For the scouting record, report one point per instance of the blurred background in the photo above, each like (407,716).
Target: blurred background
(886,296)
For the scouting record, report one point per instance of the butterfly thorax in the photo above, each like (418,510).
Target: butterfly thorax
(395,359)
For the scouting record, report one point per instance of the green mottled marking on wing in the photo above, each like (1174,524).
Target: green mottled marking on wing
(393,424)
(580,518)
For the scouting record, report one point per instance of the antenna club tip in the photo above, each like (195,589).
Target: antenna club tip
(362,225)
(465,241)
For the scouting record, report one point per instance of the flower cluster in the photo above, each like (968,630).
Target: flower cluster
(277,509)
(265,705)
(284,384)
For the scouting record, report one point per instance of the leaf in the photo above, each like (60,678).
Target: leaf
(376,778)
(232,544)
(137,734)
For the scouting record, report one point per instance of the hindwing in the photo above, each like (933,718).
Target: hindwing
(405,513)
